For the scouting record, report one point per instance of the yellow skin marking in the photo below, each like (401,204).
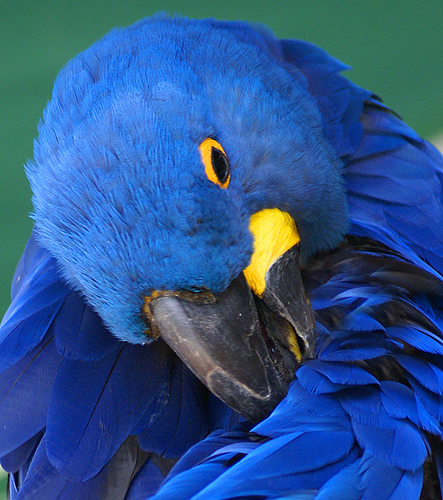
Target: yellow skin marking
(147,314)
(205,152)
(274,233)
(293,345)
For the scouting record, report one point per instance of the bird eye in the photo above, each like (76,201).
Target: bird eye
(216,162)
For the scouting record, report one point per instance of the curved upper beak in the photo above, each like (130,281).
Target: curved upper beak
(241,346)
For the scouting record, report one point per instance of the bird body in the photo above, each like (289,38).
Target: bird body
(165,152)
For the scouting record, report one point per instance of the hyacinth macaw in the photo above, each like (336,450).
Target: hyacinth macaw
(234,286)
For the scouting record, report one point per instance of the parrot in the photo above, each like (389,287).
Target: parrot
(234,284)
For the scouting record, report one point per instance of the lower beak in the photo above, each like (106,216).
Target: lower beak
(242,347)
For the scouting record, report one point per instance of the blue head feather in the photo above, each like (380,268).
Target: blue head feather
(120,194)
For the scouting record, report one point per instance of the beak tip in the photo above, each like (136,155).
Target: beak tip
(255,406)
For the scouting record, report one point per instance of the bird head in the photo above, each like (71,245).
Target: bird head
(181,177)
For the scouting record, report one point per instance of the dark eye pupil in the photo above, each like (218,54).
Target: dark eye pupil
(220,164)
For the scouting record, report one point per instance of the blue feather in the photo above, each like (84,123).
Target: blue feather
(20,458)
(80,333)
(427,401)
(429,375)
(43,481)
(26,387)
(190,483)
(304,410)
(345,484)
(339,373)
(359,321)
(396,442)
(271,464)
(26,329)
(97,405)
(417,337)
(381,481)
(37,296)
(146,482)
(399,402)
(183,417)
(211,444)
(340,101)
(399,226)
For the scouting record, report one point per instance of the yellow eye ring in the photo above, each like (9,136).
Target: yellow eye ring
(216,162)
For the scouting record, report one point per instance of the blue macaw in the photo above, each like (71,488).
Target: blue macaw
(234,285)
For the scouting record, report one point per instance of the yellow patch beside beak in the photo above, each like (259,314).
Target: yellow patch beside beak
(274,233)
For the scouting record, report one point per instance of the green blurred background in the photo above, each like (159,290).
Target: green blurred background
(395,48)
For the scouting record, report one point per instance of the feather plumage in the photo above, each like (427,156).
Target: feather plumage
(104,412)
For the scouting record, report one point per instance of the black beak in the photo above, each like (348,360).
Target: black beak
(239,345)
